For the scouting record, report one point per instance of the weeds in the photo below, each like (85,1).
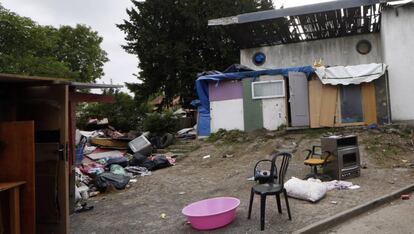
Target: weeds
(228,137)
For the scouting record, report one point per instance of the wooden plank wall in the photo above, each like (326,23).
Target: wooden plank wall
(17,163)
(328,106)
(369,103)
(315,97)
(325,105)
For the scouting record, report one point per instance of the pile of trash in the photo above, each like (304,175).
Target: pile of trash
(107,158)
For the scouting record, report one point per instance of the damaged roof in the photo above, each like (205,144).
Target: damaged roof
(37,80)
(304,23)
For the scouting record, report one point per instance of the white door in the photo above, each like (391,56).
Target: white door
(273,113)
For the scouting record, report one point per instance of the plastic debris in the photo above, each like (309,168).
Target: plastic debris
(207,156)
(163,216)
(117,169)
(93,194)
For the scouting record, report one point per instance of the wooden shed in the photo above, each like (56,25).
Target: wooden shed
(338,98)
(37,146)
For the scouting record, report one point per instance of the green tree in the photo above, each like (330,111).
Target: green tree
(32,49)
(124,114)
(79,47)
(173,42)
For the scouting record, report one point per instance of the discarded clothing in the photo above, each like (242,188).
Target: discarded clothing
(106,179)
(81,178)
(160,162)
(89,149)
(151,163)
(137,159)
(143,171)
(121,161)
(92,169)
(340,185)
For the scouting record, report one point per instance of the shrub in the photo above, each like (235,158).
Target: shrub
(124,114)
(159,123)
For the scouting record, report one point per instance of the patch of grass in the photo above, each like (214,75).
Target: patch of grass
(228,137)
(406,133)
(281,127)
(316,132)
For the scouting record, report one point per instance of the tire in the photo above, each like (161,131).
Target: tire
(166,140)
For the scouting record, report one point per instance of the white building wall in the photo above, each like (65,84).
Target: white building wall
(227,115)
(335,51)
(397,34)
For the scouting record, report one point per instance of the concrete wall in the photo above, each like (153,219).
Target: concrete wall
(335,51)
(397,34)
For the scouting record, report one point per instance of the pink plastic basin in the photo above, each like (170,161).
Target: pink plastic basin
(211,213)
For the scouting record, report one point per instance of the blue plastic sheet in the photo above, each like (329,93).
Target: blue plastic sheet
(203,127)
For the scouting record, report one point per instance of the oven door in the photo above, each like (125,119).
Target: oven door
(348,158)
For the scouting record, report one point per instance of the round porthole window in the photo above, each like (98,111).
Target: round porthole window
(363,47)
(259,58)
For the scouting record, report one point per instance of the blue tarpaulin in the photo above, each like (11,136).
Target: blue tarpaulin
(203,126)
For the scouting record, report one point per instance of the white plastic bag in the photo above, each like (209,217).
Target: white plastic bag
(310,190)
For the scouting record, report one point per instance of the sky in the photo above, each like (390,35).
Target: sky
(101,15)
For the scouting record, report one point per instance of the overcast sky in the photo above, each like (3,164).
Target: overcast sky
(101,15)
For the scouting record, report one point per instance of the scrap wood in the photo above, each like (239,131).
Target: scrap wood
(110,143)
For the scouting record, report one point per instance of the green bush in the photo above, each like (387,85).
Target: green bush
(124,114)
(160,122)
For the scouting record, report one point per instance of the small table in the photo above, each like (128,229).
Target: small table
(14,201)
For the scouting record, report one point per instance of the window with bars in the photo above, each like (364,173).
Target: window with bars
(268,89)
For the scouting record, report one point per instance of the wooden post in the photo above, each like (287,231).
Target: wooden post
(14,210)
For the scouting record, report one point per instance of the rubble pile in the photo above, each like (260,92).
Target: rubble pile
(107,158)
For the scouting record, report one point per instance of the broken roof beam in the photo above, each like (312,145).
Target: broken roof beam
(91,97)
(223,21)
(292,11)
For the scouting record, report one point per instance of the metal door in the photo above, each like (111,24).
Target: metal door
(298,100)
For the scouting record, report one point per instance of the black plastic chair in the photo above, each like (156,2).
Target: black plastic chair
(273,187)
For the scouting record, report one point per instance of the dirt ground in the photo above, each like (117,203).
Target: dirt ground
(387,155)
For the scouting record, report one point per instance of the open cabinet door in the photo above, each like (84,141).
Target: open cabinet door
(17,163)
(48,107)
